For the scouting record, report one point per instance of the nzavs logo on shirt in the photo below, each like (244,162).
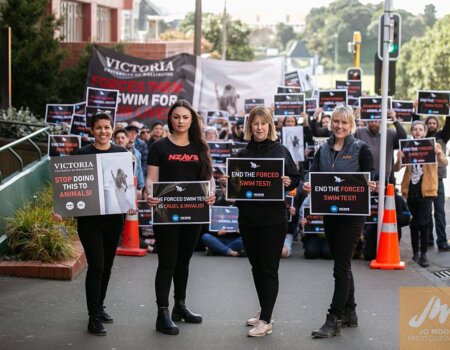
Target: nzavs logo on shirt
(183,157)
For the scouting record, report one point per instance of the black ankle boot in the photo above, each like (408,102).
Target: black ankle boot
(95,327)
(330,328)
(180,311)
(423,260)
(164,323)
(349,318)
(104,317)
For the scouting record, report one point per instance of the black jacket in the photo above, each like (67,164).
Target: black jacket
(264,213)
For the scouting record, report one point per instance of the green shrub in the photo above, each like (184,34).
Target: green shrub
(35,234)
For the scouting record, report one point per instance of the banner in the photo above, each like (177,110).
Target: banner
(353,87)
(314,223)
(433,102)
(93,184)
(251,103)
(418,151)
(371,108)
(293,140)
(289,104)
(225,85)
(63,145)
(224,218)
(56,114)
(404,110)
(181,202)
(329,99)
(373,218)
(144,214)
(255,179)
(148,88)
(338,193)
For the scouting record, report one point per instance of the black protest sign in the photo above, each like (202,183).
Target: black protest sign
(314,223)
(289,200)
(91,111)
(353,102)
(102,98)
(289,104)
(56,114)
(292,79)
(79,108)
(63,145)
(337,193)
(373,218)
(180,203)
(329,99)
(433,102)
(288,89)
(371,108)
(237,146)
(255,179)
(218,171)
(79,127)
(144,214)
(224,218)
(93,184)
(353,87)
(220,151)
(418,151)
(251,103)
(404,110)
(310,106)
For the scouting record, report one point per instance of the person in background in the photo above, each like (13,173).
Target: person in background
(166,131)
(237,131)
(420,186)
(140,145)
(176,242)
(320,123)
(145,134)
(156,132)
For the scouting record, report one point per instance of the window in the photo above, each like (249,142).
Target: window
(103,24)
(72,15)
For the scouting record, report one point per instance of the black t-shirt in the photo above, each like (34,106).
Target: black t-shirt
(90,149)
(176,163)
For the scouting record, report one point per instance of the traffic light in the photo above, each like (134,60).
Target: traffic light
(354,73)
(378,75)
(394,40)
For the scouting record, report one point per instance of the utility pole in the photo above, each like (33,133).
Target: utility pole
(224,32)
(198,28)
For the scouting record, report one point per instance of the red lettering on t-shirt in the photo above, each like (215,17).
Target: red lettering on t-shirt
(184,157)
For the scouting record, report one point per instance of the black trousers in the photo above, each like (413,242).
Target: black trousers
(342,233)
(175,244)
(420,210)
(263,245)
(99,236)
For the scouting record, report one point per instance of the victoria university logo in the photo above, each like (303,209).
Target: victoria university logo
(424,318)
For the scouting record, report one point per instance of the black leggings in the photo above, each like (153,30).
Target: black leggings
(263,245)
(421,210)
(99,236)
(175,244)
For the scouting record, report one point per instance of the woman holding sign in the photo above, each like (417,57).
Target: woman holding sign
(342,153)
(263,225)
(419,186)
(182,156)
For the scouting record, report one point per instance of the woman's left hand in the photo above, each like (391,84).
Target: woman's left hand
(211,198)
(286,181)
(372,185)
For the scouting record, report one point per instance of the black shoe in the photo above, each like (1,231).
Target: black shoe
(330,328)
(164,323)
(242,254)
(349,318)
(104,317)
(95,327)
(180,311)
(415,258)
(444,248)
(423,261)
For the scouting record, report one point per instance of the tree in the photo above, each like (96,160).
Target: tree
(425,62)
(284,33)
(429,16)
(36,54)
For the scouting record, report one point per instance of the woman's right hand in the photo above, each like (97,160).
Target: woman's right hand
(152,202)
(400,154)
(307,187)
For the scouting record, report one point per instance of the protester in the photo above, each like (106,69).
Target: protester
(141,146)
(420,186)
(320,128)
(237,131)
(211,134)
(145,134)
(263,225)
(99,234)
(156,132)
(342,153)
(176,242)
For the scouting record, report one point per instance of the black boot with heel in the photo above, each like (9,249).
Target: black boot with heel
(181,312)
(330,328)
(164,323)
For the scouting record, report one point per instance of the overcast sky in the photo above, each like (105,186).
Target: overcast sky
(181,7)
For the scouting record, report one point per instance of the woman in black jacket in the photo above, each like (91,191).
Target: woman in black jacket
(263,225)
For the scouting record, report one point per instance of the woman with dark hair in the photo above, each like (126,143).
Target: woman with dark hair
(176,243)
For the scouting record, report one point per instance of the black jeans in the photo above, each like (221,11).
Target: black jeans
(342,233)
(263,245)
(99,236)
(175,245)
(439,217)
(421,210)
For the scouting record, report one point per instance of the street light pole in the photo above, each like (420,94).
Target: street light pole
(224,31)
(198,28)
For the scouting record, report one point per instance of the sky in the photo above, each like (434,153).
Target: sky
(179,8)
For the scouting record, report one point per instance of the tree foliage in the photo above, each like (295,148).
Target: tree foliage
(36,54)
(284,33)
(429,15)
(425,62)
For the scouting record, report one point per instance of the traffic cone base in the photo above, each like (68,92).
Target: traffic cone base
(130,238)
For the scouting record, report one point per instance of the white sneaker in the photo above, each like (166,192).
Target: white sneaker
(263,328)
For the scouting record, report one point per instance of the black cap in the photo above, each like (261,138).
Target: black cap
(132,128)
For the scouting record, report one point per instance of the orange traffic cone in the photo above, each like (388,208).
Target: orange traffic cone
(388,254)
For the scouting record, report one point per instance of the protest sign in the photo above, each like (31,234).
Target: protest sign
(292,79)
(93,184)
(63,145)
(181,202)
(314,223)
(371,108)
(102,98)
(310,106)
(329,99)
(256,179)
(288,89)
(289,200)
(224,218)
(433,102)
(373,218)
(338,193)
(404,110)
(220,151)
(218,170)
(56,114)
(251,103)
(418,151)
(310,151)
(353,102)
(353,87)
(289,104)
(78,126)
(293,141)
(79,108)
(144,214)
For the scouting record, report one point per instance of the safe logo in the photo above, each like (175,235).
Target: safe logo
(254,165)
(338,180)
(180,189)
